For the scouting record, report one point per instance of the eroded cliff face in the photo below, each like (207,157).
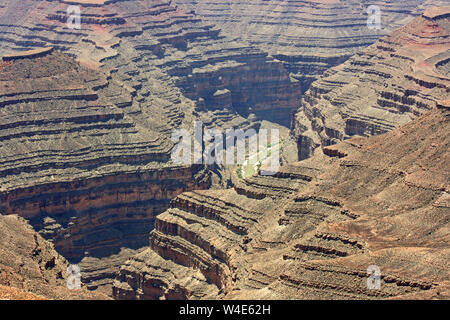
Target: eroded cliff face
(309,36)
(30,268)
(172,59)
(78,162)
(386,85)
(312,231)
(85,148)
(85,141)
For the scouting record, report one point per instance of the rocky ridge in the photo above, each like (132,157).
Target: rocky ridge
(169,56)
(313,230)
(386,85)
(30,268)
(307,36)
(76,135)
(77,161)
(81,132)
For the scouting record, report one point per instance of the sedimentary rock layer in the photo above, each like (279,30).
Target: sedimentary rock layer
(388,84)
(85,142)
(313,230)
(30,268)
(307,36)
(78,162)
(85,155)
(159,49)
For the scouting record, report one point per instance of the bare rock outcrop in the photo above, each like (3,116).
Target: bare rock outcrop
(170,57)
(78,163)
(30,268)
(87,116)
(313,230)
(307,36)
(386,85)
(85,142)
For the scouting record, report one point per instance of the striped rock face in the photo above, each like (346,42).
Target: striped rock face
(91,92)
(171,57)
(316,230)
(388,84)
(309,36)
(77,161)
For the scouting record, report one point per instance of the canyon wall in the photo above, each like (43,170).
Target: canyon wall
(313,230)
(388,84)
(85,140)
(87,117)
(30,268)
(171,57)
(307,36)
(77,161)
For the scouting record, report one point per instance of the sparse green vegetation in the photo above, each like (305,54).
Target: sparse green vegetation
(239,172)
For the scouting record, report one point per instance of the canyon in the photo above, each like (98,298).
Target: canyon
(88,116)
(86,175)
(169,57)
(307,36)
(390,83)
(312,230)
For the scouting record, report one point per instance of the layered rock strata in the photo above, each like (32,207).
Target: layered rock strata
(159,49)
(78,162)
(30,268)
(86,142)
(386,85)
(307,36)
(313,230)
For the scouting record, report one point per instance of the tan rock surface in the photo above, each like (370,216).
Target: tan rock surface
(307,36)
(386,85)
(30,268)
(312,231)
(85,146)
(79,162)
